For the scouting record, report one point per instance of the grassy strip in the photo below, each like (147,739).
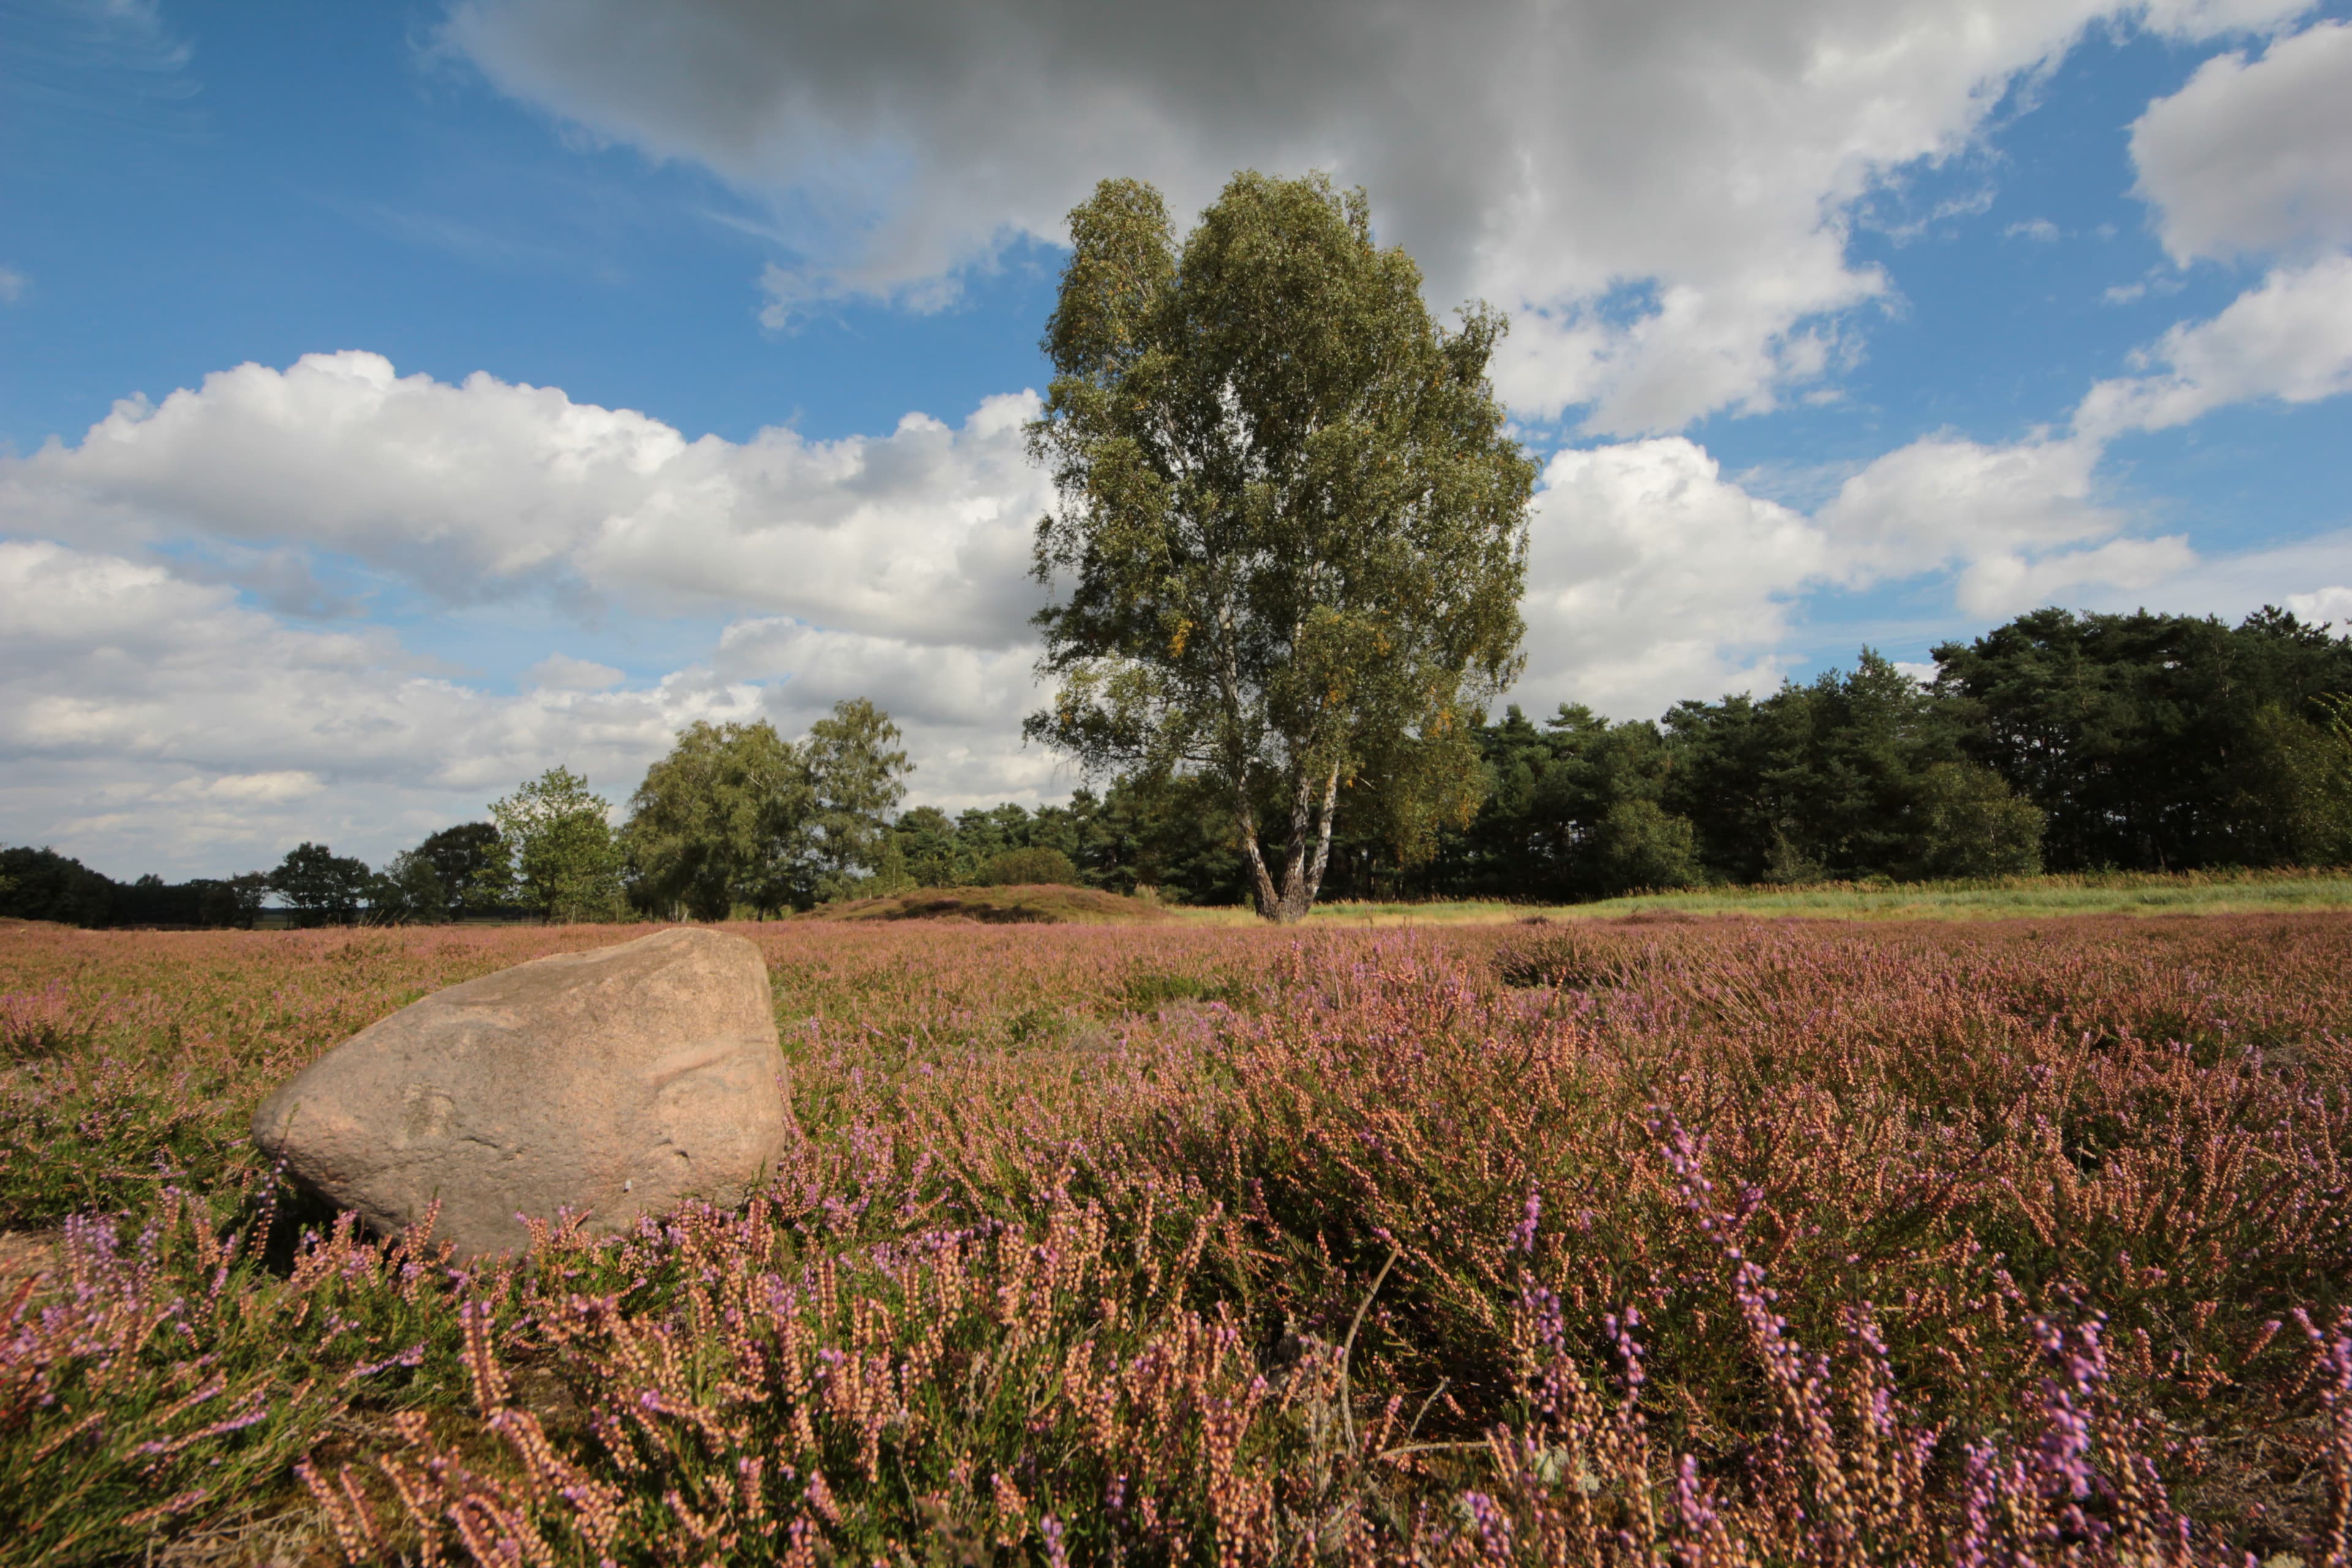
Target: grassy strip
(2097,893)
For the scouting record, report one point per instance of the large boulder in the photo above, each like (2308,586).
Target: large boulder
(616,1082)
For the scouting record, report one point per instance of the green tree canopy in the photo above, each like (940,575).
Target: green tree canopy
(1292,528)
(929,848)
(716,823)
(2156,740)
(738,814)
(1969,823)
(408,891)
(43,885)
(473,867)
(562,847)
(320,886)
(856,775)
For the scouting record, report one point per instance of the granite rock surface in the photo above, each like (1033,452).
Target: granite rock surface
(614,1082)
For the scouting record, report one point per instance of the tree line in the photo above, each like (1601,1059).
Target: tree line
(2059,740)
(736,819)
(2070,742)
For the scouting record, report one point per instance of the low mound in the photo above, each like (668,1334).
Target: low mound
(1032,904)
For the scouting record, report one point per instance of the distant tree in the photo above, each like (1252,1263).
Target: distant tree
(2323,811)
(149,900)
(233,900)
(1816,780)
(43,885)
(1513,844)
(1055,827)
(322,887)
(1602,768)
(1038,863)
(1105,843)
(1292,524)
(1970,823)
(855,776)
(40,884)
(717,821)
(474,866)
(408,891)
(982,833)
(2157,741)
(1171,832)
(562,842)
(1547,795)
(1095,837)
(928,847)
(1643,847)
(2288,789)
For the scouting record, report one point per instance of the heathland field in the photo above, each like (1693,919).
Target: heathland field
(1674,1238)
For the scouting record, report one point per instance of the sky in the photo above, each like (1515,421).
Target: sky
(399,400)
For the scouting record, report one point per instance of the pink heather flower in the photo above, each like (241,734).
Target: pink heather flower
(1523,1235)
(1691,1504)
(1493,1526)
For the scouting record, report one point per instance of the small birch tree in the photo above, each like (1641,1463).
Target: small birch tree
(856,776)
(1292,528)
(563,851)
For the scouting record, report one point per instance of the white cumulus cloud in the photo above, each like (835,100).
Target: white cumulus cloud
(2290,337)
(2328,605)
(152,724)
(1651,577)
(153,715)
(148,722)
(2020,524)
(1942,500)
(485,488)
(2254,156)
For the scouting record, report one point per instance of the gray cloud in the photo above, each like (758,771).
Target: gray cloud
(1541,153)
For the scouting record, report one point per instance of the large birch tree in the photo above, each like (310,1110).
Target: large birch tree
(1291,536)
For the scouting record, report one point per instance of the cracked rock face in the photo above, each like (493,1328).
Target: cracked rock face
(615,1083)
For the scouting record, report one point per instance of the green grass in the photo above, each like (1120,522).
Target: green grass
(2111,892)
(2100,893)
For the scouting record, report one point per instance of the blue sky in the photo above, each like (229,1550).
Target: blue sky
(400,400)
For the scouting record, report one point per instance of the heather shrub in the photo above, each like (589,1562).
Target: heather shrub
(1040,865)
(1712,1242)
(1576,957)
(38,1024)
